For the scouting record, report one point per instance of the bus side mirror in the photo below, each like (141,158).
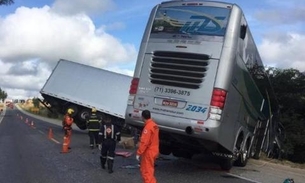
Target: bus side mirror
(243,31)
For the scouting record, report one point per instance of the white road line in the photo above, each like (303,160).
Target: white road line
(244,178)
(54,140)
(2,114)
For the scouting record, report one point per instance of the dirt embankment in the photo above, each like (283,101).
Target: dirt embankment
(2,107)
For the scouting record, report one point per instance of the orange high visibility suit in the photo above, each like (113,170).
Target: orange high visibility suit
(67,126)
(149,150)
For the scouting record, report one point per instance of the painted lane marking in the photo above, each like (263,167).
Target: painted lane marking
(243,178)
(54,140)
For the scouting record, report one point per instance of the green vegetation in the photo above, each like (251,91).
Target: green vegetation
(289,87)
(39,110)
(6,2)
(3,95)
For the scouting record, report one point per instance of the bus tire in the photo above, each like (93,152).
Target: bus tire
(165,150)
(226,164)
(256,155)
(243,156)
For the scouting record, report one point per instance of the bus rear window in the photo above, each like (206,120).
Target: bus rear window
(190,20)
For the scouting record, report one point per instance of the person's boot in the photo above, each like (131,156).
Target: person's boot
(103,162)
(110,165)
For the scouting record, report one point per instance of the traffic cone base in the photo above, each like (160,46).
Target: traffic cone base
(65,148)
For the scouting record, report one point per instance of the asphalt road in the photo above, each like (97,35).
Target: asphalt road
(27,155)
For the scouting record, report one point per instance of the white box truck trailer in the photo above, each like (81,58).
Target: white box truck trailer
(81,87)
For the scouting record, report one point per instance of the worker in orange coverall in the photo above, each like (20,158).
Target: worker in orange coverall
(148,148)
(67,125)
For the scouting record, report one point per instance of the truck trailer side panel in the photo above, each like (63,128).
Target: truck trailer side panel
(75,84)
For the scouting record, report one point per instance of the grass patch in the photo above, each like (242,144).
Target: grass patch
(41,111)
(282,162)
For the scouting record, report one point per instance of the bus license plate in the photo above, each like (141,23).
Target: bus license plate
(170,103)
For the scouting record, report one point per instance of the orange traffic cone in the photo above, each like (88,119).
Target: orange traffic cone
(65,148)
(26,120)
(50,133)
(32,124)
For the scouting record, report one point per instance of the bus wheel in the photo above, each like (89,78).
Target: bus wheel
(226,163)
(243,156)
(165,150)
(257,154)
(182,153)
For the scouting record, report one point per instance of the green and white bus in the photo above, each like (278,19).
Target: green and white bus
(199,73)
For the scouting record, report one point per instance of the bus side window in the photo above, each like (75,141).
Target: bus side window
(243,31)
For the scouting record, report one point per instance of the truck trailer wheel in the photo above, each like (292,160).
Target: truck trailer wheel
(83,114)
(74,108)
(81,125)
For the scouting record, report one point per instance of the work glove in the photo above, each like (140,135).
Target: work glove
(138,157)
(100,147)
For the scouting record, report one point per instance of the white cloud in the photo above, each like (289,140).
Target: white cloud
(121,71)
(71,7)
(26,85)
(114,26)
(33,36)
(285,50)
(282,16)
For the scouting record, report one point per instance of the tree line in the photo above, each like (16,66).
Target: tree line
(6,2)
(3,95)
(289,88)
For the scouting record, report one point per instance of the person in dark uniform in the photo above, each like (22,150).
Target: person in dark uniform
(93,125)
(108,136)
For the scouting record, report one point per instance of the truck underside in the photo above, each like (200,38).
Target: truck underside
(59,106)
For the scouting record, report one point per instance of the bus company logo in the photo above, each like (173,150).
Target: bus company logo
(201,23)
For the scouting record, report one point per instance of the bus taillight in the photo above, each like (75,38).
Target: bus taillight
(218,98)
(134,86)
(217,103)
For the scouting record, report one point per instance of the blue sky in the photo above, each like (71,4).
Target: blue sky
(34,35)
